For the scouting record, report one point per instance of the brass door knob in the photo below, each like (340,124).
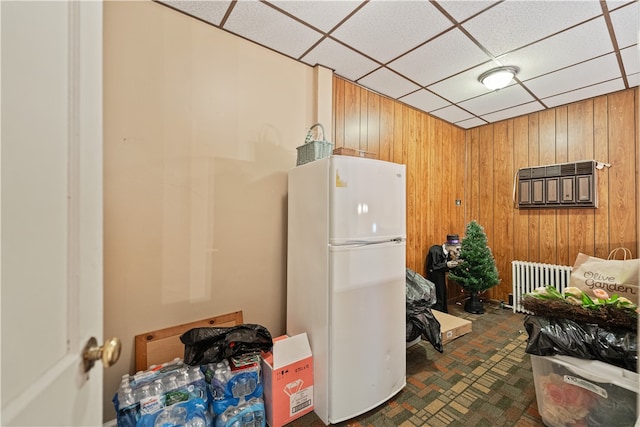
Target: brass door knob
(109,353)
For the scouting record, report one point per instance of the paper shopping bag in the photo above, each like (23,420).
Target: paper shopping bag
(615,276)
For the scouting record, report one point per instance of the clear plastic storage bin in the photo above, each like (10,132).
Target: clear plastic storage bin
(578,392)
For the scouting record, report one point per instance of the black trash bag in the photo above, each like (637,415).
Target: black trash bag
(582,340)
(425,324)
(421,322)
(417,322)
(420,289)
(212,345)
(414,329)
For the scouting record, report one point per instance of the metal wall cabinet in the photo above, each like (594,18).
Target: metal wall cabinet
(563,185)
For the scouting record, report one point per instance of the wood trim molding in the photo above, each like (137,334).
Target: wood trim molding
(164,345)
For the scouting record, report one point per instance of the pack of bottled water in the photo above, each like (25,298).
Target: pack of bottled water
(235,385)
(249,413)
(167,395)
(224,394)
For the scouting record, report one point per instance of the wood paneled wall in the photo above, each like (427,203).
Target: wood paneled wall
(477,166)
(603,129)
(432,150)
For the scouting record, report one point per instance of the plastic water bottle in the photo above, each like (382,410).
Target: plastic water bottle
(197,381)
(172,416)
(164,418)
(128,407)
(174,393)
(218,384)
(251,384)
(259,418)
(248,419)
(171,383)
(142,376)
(195,375)
(156,388)
(243,384)
(182,377)
(126,397)
(142,393)
(196,422)
(153,399)
(124,382)
(224,365)
(235,385)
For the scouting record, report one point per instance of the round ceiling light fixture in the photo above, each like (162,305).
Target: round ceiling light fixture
(497,78)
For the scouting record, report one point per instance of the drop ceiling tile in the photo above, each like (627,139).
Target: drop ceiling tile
(464,85)
(510,96)
(388,83)
(584,93)
(523,22)
(631,59)
(268,27)
(424,100)
(626,24)
(463,9)
(579,44)
(529,34)
(381,29)
(571,78)
(346,62)
(440,58)
(452,114)
(323,15)
(471,123)
(614,4)
(519,110)
(208,12)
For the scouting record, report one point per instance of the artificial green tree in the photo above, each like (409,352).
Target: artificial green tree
(476,270)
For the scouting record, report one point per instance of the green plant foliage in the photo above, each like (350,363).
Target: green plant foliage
(476,270)
(577,297)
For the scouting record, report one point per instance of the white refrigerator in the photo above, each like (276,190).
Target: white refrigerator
(346,274)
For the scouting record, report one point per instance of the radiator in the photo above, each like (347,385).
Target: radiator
(527,276)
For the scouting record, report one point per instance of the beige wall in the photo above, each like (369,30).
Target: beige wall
(200,129)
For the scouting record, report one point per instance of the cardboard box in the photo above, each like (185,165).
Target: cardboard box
(288,379)
(344,151)
(451,327)
(572,391)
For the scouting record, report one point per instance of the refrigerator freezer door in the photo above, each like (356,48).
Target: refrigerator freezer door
(367,199)
(367,327)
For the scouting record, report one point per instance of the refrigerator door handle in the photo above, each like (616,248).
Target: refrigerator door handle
(368,242)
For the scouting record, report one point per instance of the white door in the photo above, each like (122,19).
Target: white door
(51,211)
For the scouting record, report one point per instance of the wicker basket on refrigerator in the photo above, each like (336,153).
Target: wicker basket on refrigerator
(313,149)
